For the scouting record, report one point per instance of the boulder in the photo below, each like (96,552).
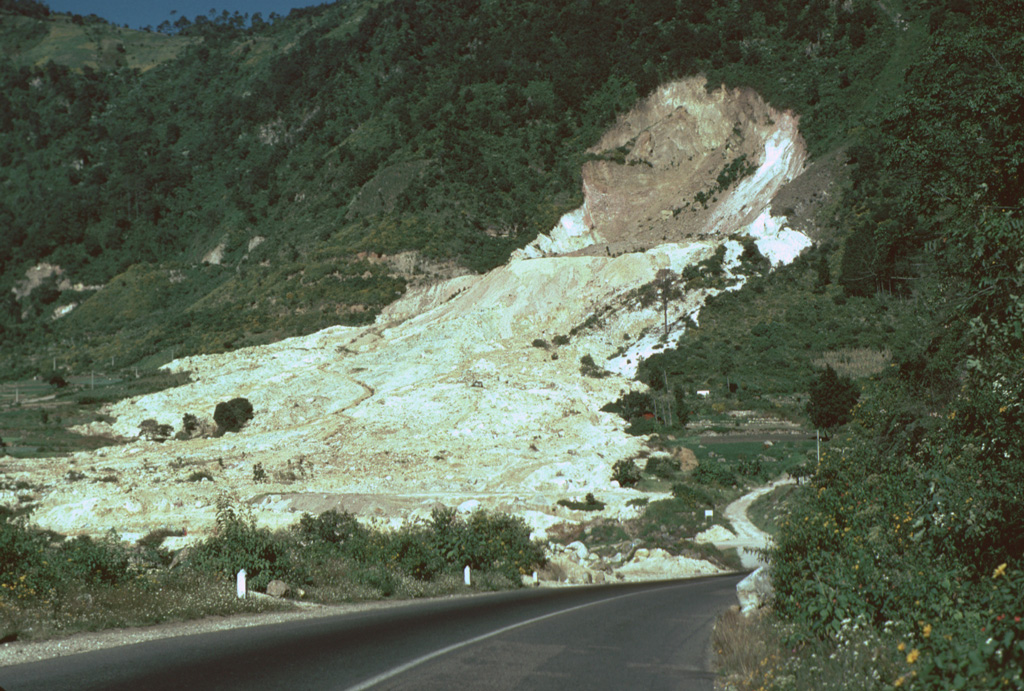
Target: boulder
(180,556)
(754,591)
(277,588)
(686,457)
(578,549)
(564,569)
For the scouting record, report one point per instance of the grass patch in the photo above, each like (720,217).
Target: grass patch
(754,463)
(143,601)
(752,653)
(856,363)
(36,417)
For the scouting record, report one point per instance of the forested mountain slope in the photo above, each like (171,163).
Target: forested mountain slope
(275,179)
(227,196)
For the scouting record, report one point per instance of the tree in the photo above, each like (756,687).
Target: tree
(666,281)
(682,408)
(231,415)
(626,472)
(824,274)
(832,400)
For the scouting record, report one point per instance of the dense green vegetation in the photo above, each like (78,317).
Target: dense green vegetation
(50,585)
(904,547)
(453,130)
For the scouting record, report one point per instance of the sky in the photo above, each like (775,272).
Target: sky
(139,13)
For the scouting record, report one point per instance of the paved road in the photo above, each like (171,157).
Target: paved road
(636,636)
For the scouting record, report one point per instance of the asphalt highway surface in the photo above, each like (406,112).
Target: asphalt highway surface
(635,636)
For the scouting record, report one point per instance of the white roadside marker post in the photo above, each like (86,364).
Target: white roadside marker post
(709,515)
(465,575)
(240,584)
(535,579)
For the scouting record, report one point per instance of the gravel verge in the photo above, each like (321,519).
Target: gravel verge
(20,652)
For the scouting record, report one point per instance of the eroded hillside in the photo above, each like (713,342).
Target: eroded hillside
(448,398)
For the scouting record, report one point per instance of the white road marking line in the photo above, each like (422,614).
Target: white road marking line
(394,672)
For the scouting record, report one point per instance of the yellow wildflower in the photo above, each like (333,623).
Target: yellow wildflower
(1000,570)
(913,655)
(927,630)
(901,647)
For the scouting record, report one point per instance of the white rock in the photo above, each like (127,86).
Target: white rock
(715,533)
(579,549)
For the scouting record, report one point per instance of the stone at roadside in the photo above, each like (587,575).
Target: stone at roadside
(754,591)
(180,556)
(564,569)
(277,588)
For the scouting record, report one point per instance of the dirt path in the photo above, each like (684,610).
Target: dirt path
(748,535)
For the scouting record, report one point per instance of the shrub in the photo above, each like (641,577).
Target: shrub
(191,427)
(756,467)
(714,473)
(664,467)
(626,473)
(642,426)
(561,340)
(832,398)
(154,431)
(231,415)
(85,560)
(21,553)
(589,368)
(239,544)
(631,405)
(540,343)
(693,497)
(189,423)
(339,531)
(590,503)
(485,541)
(199,476)
(409,551)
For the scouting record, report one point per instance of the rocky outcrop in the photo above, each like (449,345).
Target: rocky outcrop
(684,162)
(445,400)
(755,591)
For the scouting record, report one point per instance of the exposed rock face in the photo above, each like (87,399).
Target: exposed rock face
(755,591)
(35,277)
(445,400)
(652,167)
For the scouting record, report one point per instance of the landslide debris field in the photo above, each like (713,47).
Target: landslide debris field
(451,398)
